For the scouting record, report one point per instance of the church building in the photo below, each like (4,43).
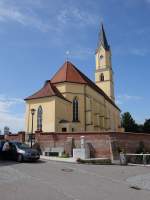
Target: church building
(71,102)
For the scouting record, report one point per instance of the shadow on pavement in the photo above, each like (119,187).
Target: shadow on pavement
(9,162)
(37,162)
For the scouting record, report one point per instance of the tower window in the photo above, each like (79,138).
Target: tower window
(102,77)
(75,110)
(64,129)
(39,118)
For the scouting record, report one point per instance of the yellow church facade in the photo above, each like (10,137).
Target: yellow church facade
(71,102)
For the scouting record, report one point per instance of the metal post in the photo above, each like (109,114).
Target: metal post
(31,131)
(32,113)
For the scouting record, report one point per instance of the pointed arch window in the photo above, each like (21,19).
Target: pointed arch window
(75,110)
(102,77)
(39,118)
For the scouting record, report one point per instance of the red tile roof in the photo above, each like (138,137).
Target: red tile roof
(48,90)
(69,73)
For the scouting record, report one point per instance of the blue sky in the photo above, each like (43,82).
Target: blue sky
(35,36)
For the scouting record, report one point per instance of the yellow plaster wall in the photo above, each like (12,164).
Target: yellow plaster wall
(95,113)
(63,112)
(106,61)
(48,106)
(71,91)
(104,66)
(106,86)
(104,111)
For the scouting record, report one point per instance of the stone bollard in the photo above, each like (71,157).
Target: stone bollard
(123,160)
(144,159)
(82,141)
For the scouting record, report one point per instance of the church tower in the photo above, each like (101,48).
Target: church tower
(104,72)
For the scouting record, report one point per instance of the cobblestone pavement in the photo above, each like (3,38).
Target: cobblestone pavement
(66,181)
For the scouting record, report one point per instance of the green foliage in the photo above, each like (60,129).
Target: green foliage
(128,122)
(146,126)
(64,155)
(140,128)
(141,148)
(95,161)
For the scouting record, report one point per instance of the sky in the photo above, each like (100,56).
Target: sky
(35,37)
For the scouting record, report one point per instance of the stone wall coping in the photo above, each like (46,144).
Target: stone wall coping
(93,133)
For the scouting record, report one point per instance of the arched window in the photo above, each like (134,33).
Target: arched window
(39,118)
(75,109)
(102,77)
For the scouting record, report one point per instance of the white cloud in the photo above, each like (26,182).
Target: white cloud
(135,51)
(7,118)
(15,123)
(138,51)
(79,53)
(125,98)
(25,17)
(76,16)
(28,13)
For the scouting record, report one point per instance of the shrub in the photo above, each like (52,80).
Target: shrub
(64,155)
(141,147)
(94,161)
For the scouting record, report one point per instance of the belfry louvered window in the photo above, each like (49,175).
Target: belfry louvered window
(102,77)
(39,118)
(75,110)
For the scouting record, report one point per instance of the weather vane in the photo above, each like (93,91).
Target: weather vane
(67,54)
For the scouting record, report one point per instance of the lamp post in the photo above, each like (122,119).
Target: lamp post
(32,113)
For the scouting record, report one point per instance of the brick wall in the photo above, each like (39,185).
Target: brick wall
(100,143)
(105,144)
(20,136)
(129,142)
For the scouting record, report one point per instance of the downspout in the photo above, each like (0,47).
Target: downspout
(85,107)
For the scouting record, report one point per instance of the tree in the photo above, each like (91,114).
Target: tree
(140,128)
(147,126)
(128,123)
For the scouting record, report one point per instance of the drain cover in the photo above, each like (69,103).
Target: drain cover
(67,170)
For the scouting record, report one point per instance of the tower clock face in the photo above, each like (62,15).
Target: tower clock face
(101,57)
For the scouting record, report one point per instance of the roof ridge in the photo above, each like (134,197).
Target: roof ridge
(48,90)
(67,69)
